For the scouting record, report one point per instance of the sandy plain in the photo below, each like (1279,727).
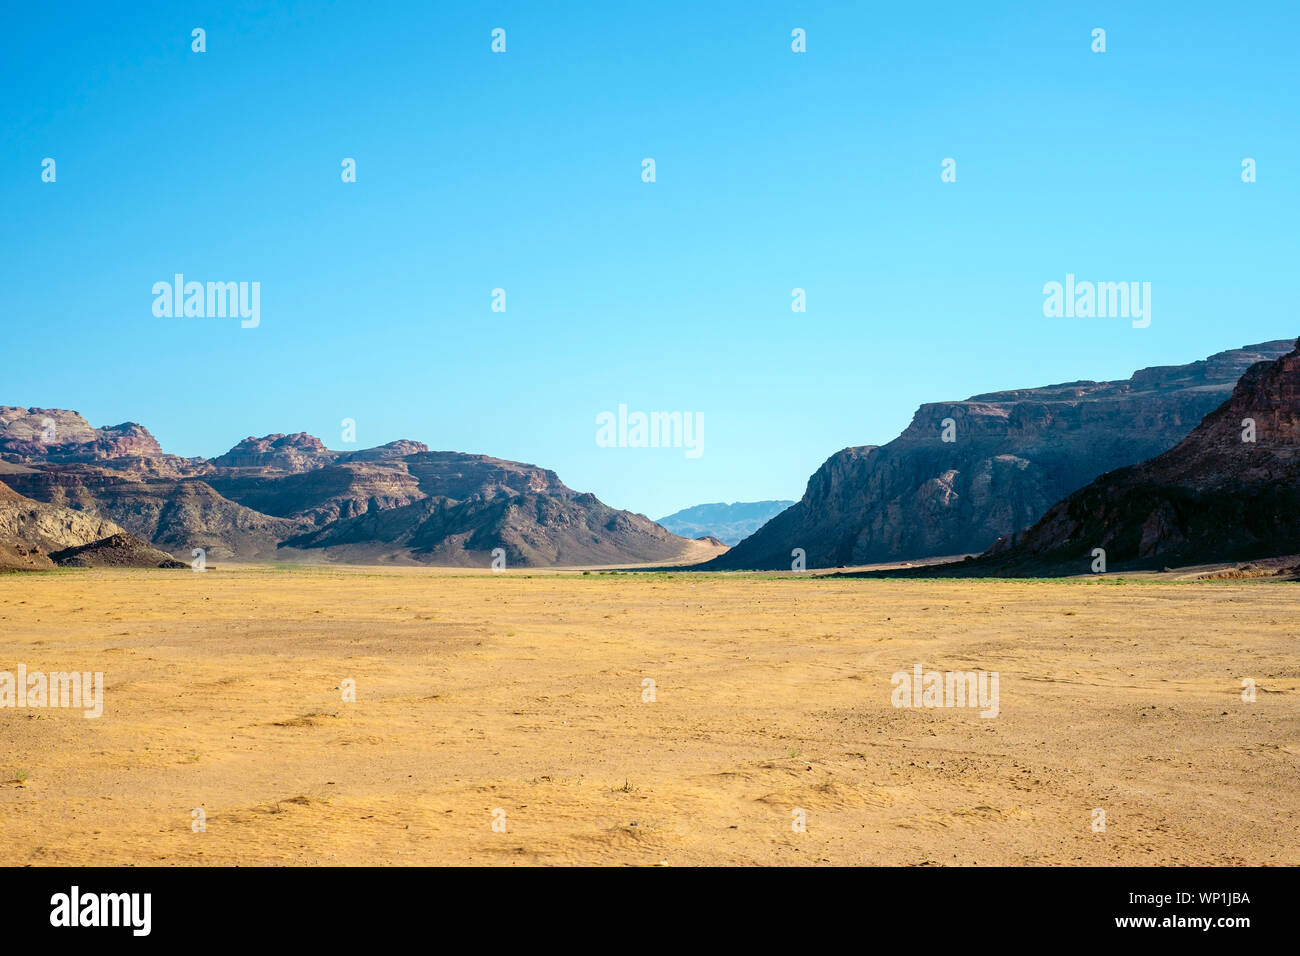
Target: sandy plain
(522,692)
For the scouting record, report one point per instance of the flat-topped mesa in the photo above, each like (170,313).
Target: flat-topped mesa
(1231,364)
(964,473)
(1024,413)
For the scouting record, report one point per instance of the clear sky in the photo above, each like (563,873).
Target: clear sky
(523,171)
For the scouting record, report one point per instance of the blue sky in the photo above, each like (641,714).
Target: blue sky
(522,171)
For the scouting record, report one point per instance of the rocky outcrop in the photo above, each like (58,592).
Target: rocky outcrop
(48,527)
(1011,456)
(284,454)
(116,551)
(34,535)
(362,483)
(531,529)
(289,493)
(300,452)
(394,449)
(1216,496)
(451,474)
(324,494)
(57,435)
(175,516)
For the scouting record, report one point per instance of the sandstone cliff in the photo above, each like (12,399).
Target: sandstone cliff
(1013,455)
(1214,497)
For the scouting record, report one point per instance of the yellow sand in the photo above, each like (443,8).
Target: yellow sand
(479,691)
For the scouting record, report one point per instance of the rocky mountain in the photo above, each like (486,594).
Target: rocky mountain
(174,515)
(37,536)
(965,473)
(532,529)
(287,495)
(52,434)
(322,495)
(277,454)
(30,530)
(55,436)
(1229,491)
(728,523)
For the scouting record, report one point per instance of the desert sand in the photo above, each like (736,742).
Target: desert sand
(523,692)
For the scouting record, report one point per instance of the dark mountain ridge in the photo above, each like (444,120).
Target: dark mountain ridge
(1012,455)
(1228,492)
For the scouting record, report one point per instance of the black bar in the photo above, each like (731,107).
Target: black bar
(946,906)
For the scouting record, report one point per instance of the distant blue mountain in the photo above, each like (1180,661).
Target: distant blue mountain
(729,523)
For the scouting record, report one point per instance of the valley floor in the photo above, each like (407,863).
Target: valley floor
(523,693)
